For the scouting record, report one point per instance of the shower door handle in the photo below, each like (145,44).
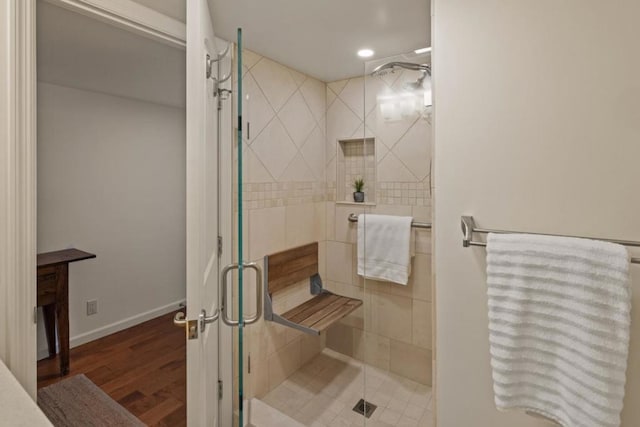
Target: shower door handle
(226,316)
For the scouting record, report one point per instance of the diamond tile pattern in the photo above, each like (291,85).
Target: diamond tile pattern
(297,118)
(414,149)
(341,123)
(256,108)
(275,80)
(313,152)
(313,92)
(403,145)
(286,112)
(274,148)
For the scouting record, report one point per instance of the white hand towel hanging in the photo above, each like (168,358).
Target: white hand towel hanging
(559,320)
(385,247)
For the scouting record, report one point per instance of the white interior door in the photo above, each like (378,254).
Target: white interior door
(203,223)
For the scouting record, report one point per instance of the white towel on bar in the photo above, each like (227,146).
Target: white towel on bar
(559,318)
(385,247)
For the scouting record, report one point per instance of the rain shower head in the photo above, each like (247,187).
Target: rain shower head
(390,67)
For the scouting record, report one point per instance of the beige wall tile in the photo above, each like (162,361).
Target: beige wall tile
(319,221)
(340,338)
(259,378)
(423,242)
(353,95)
(322,259)
(275,81)
(410,361)
(293,334)
(283,363)
(300,225)
(311,345)
(400,290)
(266,231)
(421,213)
(314,93)
(390,316)
(274,148)
(420,279)
(275,337)
(371,285)
(346,231)
(372,348)
(391,168)
(339,261)
(297,118)
(331,173)
(330,209)
(422,324)
(398,210)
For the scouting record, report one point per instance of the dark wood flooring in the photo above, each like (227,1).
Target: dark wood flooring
(143,368)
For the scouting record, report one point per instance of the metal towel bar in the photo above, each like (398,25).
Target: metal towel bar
(469,227)
(414,224)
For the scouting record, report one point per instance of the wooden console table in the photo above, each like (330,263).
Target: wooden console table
(53,297)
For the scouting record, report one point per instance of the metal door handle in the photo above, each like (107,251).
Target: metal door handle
(193,326)
(226,318)
(179,320)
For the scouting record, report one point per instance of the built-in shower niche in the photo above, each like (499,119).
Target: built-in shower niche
(356,159)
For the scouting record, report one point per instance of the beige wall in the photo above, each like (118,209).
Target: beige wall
(392,330)
(537,125)
(284,193)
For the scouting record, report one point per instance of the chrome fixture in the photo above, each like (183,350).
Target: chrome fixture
(226,315)
(390,67)
(469,227)
(193,326)
(414,224)
(219,57)
(219,92)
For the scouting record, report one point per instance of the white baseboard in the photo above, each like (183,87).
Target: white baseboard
(114,327)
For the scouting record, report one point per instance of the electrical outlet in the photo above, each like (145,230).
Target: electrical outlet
(92,307)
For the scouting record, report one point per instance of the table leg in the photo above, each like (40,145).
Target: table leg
(62,313)
(49,312)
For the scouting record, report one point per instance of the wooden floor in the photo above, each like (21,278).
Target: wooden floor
(143,368)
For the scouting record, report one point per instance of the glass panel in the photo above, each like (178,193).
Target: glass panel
(239,301)
(397,317)
(245,301)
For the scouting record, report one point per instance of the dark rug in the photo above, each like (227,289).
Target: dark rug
(77,401)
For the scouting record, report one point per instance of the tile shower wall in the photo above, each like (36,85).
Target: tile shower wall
(290,199)
(392,330)
(284,201)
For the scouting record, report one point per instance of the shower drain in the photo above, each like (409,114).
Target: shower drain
(364,408)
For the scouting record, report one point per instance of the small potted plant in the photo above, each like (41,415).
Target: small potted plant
(358,195)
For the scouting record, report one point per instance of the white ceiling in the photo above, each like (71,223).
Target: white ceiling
(81,52)
(318,37)
(321,37)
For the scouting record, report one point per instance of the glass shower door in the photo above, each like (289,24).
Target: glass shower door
(397,327)
(242,279)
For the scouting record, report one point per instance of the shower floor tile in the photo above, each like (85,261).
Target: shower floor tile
(323,393)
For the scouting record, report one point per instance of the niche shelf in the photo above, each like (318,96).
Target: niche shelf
(356,158)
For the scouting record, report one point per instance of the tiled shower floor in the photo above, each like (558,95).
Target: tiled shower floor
(323,393)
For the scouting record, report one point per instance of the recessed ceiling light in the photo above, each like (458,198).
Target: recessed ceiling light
(423,50)
(365,53)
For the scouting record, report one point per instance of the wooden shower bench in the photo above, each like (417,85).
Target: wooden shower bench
(287,268)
